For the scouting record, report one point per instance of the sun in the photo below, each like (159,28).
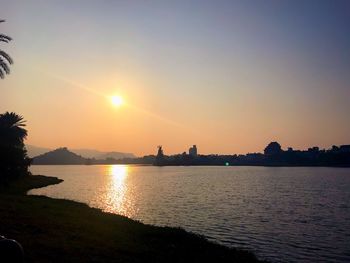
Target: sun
(117,101)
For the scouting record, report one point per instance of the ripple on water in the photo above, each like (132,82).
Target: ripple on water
(281,214)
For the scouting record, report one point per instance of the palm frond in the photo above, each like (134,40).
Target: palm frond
(12,127)
(5,59)
(12,119)
(4,66)
(6,56)
(5,38)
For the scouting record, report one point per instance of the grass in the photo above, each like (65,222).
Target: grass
(53,230)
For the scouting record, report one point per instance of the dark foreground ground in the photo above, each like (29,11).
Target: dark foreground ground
(52,230)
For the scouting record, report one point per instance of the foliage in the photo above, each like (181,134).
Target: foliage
(14,161)
(5,59)
(273,148)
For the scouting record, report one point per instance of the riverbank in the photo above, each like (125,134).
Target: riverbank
(53,230)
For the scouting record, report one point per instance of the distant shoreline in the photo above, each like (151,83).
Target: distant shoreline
(202,165)
(273,156)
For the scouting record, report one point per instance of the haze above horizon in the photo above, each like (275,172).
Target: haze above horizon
(230,76)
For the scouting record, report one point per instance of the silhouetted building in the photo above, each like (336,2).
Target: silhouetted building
(338,156)
(159,161)
(335,148)
(160,153)
(193,151)
(344,148)
(314,149)
(273,148)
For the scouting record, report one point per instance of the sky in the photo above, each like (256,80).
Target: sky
(228,76)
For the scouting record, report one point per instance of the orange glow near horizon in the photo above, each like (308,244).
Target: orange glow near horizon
(167,83)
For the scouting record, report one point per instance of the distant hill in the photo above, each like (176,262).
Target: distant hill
(59,156)
(34,151)
(98,155)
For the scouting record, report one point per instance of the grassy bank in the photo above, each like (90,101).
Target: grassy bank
(53,230)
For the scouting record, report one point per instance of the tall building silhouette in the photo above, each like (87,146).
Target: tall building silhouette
(193,151)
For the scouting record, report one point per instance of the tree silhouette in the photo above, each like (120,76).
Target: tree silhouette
(12,131)
(273,148)
(14,161)
(5,59)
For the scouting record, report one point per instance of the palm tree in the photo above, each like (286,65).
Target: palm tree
(14,161)
(5,59)
(12,131)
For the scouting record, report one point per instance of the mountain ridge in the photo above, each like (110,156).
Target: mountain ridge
(59,156)
(35,151)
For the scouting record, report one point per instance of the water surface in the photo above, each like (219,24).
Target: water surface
(281,214)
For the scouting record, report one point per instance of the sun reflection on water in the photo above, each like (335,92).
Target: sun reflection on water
(119,173)
(117,201)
